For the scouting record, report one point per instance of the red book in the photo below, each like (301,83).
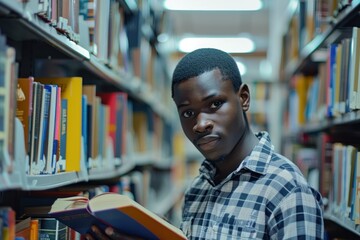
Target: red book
(117,101)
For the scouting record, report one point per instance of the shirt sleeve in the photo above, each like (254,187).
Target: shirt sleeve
(298,216)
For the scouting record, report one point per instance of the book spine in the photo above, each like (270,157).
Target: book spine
(56,148)
(52,229)
(63,134)
(44,142)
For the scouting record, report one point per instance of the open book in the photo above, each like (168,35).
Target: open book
(115,210)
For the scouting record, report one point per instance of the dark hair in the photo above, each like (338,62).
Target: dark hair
(203,60)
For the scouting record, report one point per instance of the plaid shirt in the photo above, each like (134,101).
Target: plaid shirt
(266,197)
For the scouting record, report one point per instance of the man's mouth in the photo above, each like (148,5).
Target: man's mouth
(207,143)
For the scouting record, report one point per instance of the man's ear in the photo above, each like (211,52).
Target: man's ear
(244,94)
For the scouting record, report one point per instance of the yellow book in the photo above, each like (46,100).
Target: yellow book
(140,125)
(338,80)
(71,90)
(302,87)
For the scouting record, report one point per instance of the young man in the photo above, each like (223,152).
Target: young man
(245,190)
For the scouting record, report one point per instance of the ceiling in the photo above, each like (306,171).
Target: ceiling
(254,24)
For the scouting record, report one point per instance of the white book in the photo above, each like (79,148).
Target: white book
(350,172)
(51,131)
(102,20)
(354,102)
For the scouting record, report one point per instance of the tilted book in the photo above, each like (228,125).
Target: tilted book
(115,210)
(24,106)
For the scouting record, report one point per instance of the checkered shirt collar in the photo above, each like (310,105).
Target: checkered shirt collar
(257,161)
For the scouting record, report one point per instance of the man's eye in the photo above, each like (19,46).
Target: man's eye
(188,114)
(216,104)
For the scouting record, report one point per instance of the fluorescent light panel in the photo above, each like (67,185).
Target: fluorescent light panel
(213,5)
(227,44)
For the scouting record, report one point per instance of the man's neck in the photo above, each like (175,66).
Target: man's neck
(232,161)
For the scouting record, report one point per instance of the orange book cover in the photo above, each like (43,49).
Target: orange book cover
(34,229)
(24,106)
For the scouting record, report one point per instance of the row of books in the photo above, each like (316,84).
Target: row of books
(134,53)
(93,24)
(345,194)
(65,121)
(333,167)
(107,30)
(334,91)
(105,129)
(68,125)
(61,116)
(308,20)
(321,68)
(339,166)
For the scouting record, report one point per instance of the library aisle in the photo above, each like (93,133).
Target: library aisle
(86,107)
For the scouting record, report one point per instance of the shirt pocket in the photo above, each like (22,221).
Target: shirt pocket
(233,231)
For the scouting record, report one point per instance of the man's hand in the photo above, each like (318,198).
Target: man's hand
(109,234)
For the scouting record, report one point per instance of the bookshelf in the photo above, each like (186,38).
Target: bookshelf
(259,114)
(44,49)
(321,112)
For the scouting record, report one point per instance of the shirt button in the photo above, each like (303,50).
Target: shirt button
(217,193)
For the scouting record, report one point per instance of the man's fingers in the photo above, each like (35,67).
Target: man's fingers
(99,234)
(118,236)
(88,237)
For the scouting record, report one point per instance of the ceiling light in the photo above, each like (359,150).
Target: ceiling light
(227,44)
(213,5)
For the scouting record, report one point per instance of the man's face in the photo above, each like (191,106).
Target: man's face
(211,113)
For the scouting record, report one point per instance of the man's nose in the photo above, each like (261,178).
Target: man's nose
(203,123)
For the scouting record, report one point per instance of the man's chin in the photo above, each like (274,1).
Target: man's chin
(214,159)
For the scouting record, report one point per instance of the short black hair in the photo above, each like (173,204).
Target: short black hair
(203,60)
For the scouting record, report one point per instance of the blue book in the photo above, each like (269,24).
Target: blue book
(44,141)
(84,128)
(331,84)
(63,128)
